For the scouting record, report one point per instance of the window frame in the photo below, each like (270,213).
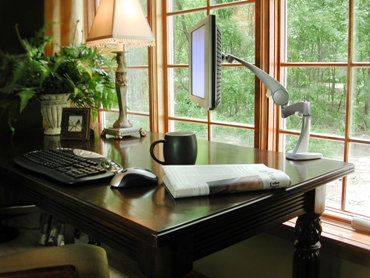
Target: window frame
(258,126)
(341,214)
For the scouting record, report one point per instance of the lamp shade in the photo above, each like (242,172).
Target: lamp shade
(120,21)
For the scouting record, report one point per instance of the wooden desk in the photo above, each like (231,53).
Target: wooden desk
(166,235)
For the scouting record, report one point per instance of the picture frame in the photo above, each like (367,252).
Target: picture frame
(75,124)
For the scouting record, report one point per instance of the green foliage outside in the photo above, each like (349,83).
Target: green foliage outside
(318,32)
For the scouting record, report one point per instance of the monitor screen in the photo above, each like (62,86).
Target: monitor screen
(205,63)
(197,72)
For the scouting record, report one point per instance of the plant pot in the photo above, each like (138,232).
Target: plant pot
(51,110)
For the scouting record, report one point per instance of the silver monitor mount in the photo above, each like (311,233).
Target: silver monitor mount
(280,97)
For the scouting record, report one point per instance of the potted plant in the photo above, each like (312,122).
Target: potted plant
(74,72)
(21,76)
(77,70)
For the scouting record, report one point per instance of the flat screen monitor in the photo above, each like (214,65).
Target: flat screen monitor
(205,63)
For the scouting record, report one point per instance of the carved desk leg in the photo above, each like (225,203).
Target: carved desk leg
(306,262)
(307,255)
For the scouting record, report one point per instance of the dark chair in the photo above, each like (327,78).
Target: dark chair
(73,260)
(13,210)
(13,204)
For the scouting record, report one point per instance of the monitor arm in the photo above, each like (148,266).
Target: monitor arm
(280,97)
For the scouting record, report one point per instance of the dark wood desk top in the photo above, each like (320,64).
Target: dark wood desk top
(149,216)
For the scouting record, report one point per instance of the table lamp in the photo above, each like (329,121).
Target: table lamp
(120,22)
(280,97)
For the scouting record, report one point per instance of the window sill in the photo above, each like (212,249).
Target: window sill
(337,239)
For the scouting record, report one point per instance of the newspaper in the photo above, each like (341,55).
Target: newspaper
(197,180)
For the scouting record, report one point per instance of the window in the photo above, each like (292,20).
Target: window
(325,60)
(233,120)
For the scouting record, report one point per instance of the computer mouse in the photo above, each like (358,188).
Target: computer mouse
(134,176)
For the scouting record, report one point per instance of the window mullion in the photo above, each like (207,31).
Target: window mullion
(265,112)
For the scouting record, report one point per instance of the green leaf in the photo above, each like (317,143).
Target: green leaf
(25,96)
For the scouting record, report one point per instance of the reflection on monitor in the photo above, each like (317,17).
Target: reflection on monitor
(205,63)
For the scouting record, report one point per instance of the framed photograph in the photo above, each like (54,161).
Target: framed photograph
(75,124)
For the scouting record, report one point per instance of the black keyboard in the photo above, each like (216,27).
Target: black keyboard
(69,166)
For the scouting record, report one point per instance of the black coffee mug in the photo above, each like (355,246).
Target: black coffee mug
(179,148)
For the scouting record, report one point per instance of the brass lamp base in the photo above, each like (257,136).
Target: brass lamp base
(119,133)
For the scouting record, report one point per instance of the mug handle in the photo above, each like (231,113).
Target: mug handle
(152,153)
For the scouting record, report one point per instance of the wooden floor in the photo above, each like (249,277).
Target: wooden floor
(29,236)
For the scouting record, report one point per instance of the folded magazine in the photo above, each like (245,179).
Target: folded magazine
(197,180)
